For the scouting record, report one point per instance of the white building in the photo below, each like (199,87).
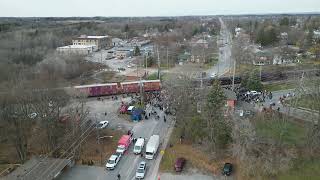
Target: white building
(316,34)
(238,31)
(77,49)
(99,41)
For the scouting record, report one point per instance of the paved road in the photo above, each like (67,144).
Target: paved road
(129,162)
(225,42)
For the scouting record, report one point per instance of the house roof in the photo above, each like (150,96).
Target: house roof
(230,95)
(76,46)
(91,37)
(264,53)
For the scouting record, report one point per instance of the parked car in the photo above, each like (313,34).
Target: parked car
(213,75)
(227,169)
(112,162)
(178,165)
(141,170)
(33,115)
(253,93)
(102,124)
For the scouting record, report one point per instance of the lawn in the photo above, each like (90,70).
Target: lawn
(279,86)
(304,101)
(195,157)
(303,169)
(291,133)
(152,76)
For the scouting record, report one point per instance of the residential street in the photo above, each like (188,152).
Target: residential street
(225,43)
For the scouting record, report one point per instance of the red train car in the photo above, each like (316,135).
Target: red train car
(152,85)
(94,90)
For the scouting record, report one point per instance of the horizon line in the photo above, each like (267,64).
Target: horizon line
(158,16)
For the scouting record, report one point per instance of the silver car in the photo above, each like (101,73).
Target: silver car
(141,171)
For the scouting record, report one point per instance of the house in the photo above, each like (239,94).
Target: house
(124,52)
(286,55)
(316,34)
(263,58)
(184,57)
(100,41)
(117,42)
(238,31)
(231,98)
(199,43)
(285,59)
(77,49)
(284,35)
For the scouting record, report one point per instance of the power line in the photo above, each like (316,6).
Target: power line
(70,148)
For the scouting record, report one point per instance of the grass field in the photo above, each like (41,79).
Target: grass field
(303,169)
(289,132)
(304,102)
(152,76)
(279,86)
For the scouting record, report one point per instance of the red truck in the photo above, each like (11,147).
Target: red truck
(124,143)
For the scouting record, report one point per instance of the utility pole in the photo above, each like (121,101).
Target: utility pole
(234,72)
(158,63)
(98,139)
(260,71)
(146,64)
(101,56)
(141,88)
(167,58)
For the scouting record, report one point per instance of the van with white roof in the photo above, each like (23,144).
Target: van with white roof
(152,146)
(137,149)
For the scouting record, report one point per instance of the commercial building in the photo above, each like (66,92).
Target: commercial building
(124,53)
(77,49)
(99,41)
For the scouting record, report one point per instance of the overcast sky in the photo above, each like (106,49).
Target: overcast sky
(62,8)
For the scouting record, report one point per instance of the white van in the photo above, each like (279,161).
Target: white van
(137,149)
(152,146)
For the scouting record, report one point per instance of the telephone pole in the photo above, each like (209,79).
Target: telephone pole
(234,72)
(158,63)
(167,58)
(260,71)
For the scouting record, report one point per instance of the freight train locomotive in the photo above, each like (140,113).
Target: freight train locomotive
(95,90)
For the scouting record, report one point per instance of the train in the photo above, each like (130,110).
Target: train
(224,81)
(95,90)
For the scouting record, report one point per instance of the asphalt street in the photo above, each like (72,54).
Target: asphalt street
(224,63)
(129,162)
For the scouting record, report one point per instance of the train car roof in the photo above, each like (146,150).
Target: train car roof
(108,84)
(94,85)
(128,82)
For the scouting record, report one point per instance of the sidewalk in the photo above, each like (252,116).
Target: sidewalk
(155,172)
